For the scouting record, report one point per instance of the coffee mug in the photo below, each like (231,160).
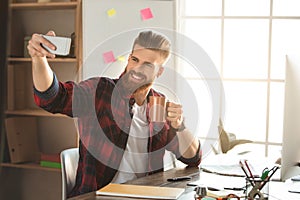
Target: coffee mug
(157,111)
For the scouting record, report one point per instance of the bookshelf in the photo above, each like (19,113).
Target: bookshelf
(54,132)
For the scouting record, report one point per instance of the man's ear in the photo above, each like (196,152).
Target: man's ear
(160,71)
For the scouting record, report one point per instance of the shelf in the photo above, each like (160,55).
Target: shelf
(47,5)
(32,112)
(21,113)
(63,60)
(34,166)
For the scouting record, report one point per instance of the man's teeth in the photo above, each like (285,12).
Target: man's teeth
(136,77)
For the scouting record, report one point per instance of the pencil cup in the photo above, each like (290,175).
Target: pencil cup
(257,189)
(157,108)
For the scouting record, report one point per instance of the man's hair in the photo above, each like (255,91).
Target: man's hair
(153,41)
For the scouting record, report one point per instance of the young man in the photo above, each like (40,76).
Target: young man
(118,142)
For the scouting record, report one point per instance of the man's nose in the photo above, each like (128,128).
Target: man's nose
(140,67)
(146,68)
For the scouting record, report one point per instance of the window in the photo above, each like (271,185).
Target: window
(248,41)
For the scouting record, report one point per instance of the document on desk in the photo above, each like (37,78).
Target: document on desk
(220,186)
(218,182)
(140,191)
(226,170)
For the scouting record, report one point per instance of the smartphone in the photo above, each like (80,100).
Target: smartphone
(63,45)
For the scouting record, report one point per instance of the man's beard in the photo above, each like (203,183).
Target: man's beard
(132,87)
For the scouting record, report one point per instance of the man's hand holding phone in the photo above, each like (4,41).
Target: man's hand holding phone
(48,45)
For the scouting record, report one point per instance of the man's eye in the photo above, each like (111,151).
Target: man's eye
(134,59)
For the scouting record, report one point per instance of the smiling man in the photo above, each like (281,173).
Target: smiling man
(118,142)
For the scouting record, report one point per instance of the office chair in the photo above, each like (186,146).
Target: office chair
(228,140)
(69,162)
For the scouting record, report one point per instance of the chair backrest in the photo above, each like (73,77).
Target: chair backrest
(228,140)
(69,162)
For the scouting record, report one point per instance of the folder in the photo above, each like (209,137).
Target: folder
(22,139)
(140,191)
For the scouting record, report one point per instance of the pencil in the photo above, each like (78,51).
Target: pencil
(246,163)
(244,170)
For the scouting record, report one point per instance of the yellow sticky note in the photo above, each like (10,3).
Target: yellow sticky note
(111,12)
(121,58)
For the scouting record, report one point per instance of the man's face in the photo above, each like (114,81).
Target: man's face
(144,65)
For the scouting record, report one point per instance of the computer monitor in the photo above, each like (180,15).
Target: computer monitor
(290,157)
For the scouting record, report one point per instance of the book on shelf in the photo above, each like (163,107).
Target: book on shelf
(50,160)
(50,164)
(140,191)
(50,157)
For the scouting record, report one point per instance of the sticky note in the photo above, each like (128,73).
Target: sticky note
(109,57)
(111,12)
(121,58)
(146,14)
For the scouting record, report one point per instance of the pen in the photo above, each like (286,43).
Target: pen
(234,188)
(180,178)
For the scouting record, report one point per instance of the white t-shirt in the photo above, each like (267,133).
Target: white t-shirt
(134,163)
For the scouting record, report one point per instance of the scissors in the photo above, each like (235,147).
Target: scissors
(266,171)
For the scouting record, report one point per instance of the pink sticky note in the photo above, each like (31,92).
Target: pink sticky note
(146,13)
(109,57)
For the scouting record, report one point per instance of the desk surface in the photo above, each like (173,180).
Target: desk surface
(278,190)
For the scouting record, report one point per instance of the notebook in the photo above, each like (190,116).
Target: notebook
(140,191)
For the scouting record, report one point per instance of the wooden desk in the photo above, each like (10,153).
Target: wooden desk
(158,179)
(278,191)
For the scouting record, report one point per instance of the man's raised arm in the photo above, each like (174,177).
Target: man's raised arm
(42,74)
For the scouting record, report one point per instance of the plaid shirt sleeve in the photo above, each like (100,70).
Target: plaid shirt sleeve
(192,162)
(76,100)
(65,98)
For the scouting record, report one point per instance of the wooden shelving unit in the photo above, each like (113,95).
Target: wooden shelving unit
(55,132)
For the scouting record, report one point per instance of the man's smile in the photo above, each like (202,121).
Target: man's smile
(137,77)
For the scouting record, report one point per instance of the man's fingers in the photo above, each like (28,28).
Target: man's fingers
(35,49)
(174,109)
(51,33)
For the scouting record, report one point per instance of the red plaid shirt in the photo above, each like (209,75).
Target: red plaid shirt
(104,118)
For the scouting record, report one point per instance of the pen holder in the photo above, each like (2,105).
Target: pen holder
(257,189)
